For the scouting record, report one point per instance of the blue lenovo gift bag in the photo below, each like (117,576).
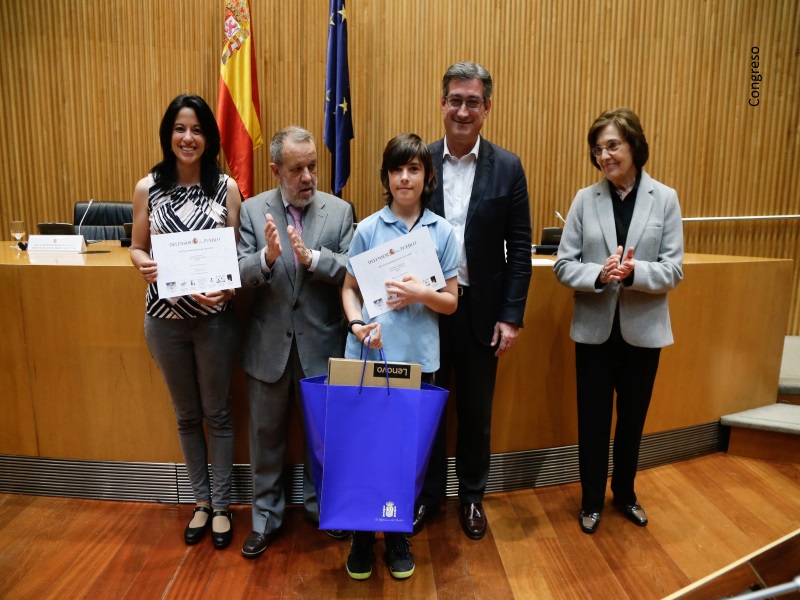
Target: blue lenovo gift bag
(369,449)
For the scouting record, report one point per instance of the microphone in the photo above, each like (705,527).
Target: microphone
(558,214)
(86,212)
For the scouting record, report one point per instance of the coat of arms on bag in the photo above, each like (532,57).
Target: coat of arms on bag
(389,510)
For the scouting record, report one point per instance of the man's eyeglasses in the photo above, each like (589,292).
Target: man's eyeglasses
(612,148)
(457,101)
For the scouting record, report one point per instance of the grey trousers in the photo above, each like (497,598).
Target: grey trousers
(269,419)
(196,357)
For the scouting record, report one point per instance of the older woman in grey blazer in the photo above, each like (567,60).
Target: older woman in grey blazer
(621,251)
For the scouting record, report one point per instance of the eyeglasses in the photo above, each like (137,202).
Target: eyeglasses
(612,148)
(457,101)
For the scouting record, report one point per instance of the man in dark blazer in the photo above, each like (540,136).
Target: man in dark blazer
(293,252)
(484,195)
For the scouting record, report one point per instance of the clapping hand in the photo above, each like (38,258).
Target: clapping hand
(617,267)
(272,240)
(303,254)
(625,266)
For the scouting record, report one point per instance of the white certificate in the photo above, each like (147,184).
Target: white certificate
(194,262)
(410,254)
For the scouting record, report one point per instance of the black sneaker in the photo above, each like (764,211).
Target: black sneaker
(398,555)
(359,563)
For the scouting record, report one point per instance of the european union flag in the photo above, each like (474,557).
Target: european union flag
(338,119)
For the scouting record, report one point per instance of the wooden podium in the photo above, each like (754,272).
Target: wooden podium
(79,382)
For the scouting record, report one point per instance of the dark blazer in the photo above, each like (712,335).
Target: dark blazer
(498,212)
(287,304)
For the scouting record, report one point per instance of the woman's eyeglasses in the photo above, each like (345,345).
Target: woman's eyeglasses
(612,148)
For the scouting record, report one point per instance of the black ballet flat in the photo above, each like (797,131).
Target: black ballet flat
(192,535)
(633,512)
(589,521)
(222,540)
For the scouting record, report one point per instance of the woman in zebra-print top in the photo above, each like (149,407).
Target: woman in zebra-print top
(192,338)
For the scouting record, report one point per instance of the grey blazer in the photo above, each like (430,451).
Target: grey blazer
(294,303)
(589,238)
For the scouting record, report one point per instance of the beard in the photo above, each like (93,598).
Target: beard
(292,197)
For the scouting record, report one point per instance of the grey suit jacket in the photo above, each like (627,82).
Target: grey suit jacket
(589,238)
(294,303)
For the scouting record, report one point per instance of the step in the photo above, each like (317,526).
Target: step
(770,432)
(789,383)
(783,418)
(774,564)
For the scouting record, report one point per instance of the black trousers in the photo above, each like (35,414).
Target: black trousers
(602,369)
(474,368)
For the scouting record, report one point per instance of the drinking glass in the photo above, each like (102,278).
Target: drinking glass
(17,231)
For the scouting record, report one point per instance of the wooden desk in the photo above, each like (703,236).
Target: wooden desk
(729,318)
(79,381)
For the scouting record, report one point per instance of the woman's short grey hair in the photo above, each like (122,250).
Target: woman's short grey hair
(296,134)
(464,71)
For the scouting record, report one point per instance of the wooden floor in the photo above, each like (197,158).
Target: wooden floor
(704,514)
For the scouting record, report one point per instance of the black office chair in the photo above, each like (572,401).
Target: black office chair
(104,220)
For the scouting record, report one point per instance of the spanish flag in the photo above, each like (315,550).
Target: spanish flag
(238,112)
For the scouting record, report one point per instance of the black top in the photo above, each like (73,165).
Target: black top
(623,213)
(623,210)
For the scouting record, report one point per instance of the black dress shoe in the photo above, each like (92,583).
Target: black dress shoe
(633,512)
(473,520)
(337,534)
(422,515)
(192,535)
(589,521)
(222,539)
(256,543)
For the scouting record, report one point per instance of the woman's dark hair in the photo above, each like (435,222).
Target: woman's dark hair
(401,150)
(630,128)
(165,173)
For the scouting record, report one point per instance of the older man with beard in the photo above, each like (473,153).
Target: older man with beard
(293,252)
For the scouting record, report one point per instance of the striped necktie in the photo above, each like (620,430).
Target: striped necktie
(297,217)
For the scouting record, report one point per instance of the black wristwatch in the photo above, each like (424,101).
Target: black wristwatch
(354,322)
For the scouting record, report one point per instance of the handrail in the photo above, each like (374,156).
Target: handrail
(771,592)
(748,218)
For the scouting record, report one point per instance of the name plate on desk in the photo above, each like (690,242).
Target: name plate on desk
(57,243)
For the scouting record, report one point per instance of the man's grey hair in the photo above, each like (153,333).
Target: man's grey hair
(464,71)
(298,135)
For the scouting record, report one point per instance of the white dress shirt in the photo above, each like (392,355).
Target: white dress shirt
(458,176)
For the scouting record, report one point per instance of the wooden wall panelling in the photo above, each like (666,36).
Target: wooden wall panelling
(86,85)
